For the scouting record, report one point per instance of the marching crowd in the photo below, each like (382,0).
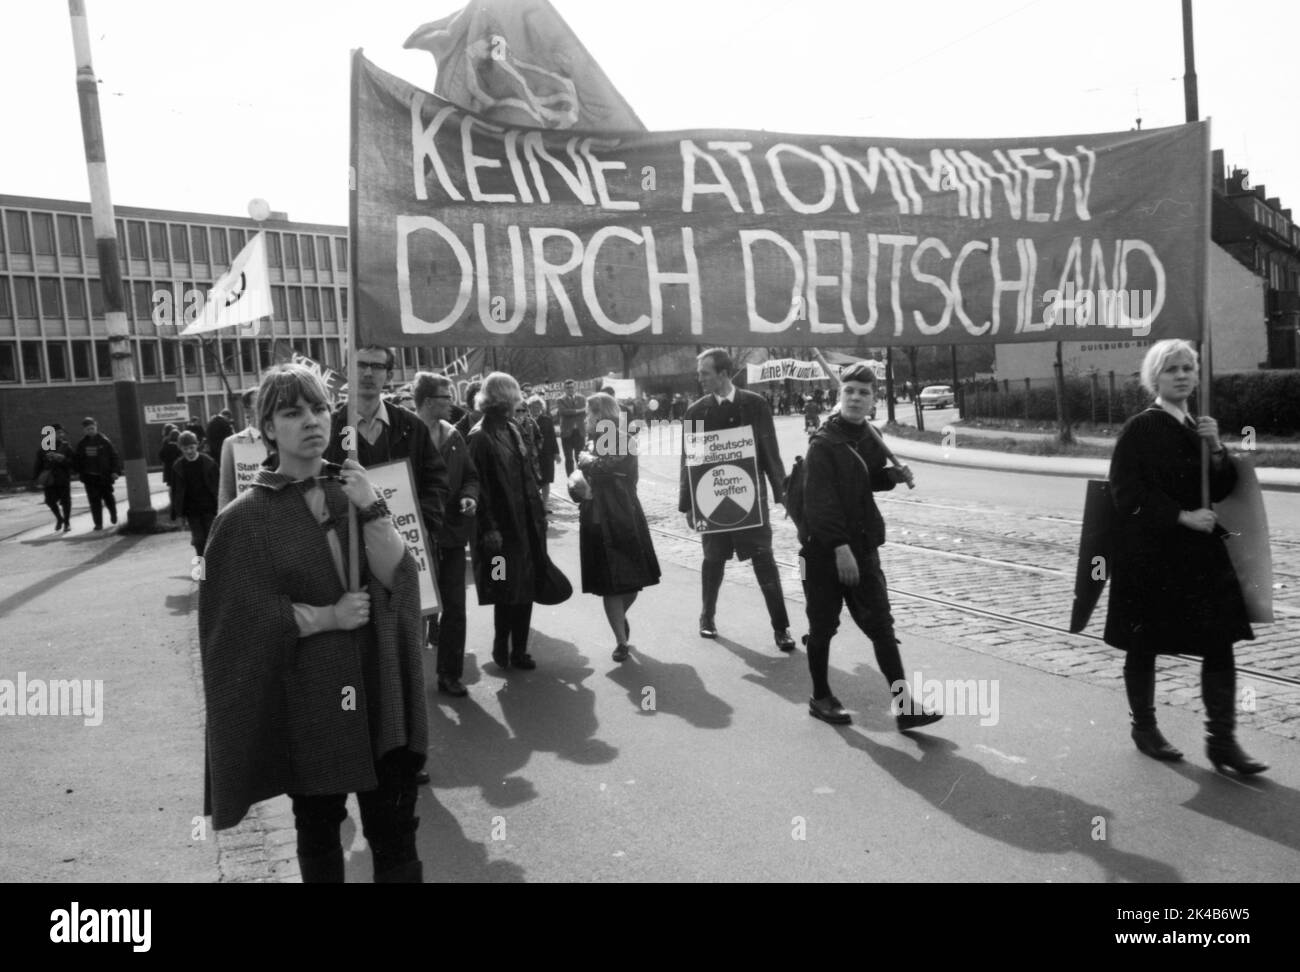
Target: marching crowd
(280,621)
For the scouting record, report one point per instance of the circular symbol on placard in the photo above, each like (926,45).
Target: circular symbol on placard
(725,495)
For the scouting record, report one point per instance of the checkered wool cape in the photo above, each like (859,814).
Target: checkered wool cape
(279,719)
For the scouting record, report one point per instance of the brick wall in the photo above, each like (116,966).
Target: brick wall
(25,411)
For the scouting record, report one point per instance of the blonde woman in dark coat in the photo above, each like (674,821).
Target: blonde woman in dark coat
(618,556)
(509,550)
(313,690)
(1173,586)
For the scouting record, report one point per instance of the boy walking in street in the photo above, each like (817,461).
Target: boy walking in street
(194,482)
(99,464)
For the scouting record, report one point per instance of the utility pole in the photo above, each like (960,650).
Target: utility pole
(1189,66)
(140,512)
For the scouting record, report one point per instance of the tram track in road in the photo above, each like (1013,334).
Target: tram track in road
(952,604)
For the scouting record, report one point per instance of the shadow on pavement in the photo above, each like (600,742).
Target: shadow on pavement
(470,748)
(549,709)
(120,546)
(1038,819)
(178,604)
(678,690)
(1255,804)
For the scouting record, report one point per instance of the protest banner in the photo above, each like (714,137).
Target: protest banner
(779,369)
(722,470)
(248,453)
(396,484)
(471,233)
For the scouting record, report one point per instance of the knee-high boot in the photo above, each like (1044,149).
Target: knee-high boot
(711,579)
(1219,693)
(1140,684)
(907,712)
(321,868)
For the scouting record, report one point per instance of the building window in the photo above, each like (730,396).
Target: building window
(57,352)
(316,349)
(220,255)
(33,362)
(88,237)
(135,238)
(149,359)
(8,362)
(341,249)
(199,244)
(142,297)
(5,310)
(247,362)
(82,369)
(180,245)
(291,251)
(313,304)
(69,241)
(16,224)
(169,358)
(121,243)
(308,254)
(25,296)
(273,258)
(96,300)
(104,360)
(323,252)
(236,241)
(295,303)
(332,354)
(264,354)
(74,298)
(50,304)
(43,230)
(343,301)
(277,303)
(190,359)
(158,241)
(327,305)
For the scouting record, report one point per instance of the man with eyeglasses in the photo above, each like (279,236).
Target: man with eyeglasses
(385,433)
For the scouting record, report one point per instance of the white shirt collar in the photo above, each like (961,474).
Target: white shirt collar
(726,398)
(1180,414)
(381,415)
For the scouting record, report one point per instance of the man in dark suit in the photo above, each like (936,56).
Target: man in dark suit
(724,406)
(220,428)
(572,409)
(386,432)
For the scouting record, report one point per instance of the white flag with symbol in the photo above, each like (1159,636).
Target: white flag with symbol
(242,295)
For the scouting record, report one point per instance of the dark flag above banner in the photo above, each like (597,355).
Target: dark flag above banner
(467,232)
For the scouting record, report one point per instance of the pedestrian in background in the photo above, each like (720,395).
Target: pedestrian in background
(509,552)
(99,465)
(446,631)
(618,555)
(532,436)
(470,414)
(1173,587)
(194,490)
(220,428)
(724,406)
(840,538)
(313,690)
(572,410)
(169,452)
(228,486)
(53,473)
(549,457)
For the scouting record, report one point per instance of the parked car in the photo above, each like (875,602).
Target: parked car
(937,396)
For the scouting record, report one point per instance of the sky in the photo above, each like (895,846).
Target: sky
(208,106)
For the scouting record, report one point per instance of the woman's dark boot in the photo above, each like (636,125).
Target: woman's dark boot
(1141,688)
(1219,693)
(326,868)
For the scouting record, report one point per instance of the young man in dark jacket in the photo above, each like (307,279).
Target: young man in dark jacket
(841,536)
(194,490)
(724,406)
(446,633)
(57,459)
(99,464)
(386,432)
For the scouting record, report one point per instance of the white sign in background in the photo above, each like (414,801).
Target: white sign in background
(248,454)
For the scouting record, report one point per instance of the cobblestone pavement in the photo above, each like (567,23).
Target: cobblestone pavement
(1003,560)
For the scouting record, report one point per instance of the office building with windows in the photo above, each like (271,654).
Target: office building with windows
(54,352)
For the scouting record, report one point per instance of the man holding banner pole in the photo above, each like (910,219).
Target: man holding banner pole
(726,407)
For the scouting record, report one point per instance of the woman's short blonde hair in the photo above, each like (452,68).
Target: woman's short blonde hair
(285,385)
(1158,356)
(500,391)
(604,407)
